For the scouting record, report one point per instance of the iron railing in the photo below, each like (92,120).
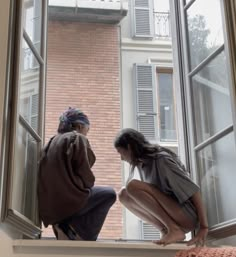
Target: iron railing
(162,25)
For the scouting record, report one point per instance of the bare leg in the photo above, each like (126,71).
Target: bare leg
(139,211)
(164,208)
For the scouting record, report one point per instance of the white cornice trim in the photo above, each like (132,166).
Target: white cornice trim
(128,44)
(161,62)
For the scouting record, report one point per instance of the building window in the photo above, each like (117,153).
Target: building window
(155,104)
(165,95)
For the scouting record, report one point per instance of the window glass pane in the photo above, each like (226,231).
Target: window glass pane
(217,178)
(29,87)
(32,20)
(211,98)
(167,110)
(25,176)
(205,31)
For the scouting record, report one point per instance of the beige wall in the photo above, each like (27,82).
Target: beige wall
(4,19)
(5,245)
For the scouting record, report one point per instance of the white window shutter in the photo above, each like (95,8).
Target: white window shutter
(143,18)
(146,105)
(149,232)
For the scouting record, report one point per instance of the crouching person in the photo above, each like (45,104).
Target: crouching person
(68,199)
(164,196)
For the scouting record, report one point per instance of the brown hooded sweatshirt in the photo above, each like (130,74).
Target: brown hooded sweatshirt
(65,177)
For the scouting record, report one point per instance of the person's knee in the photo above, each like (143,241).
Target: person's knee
(122,195)
(133,186)
(111,195)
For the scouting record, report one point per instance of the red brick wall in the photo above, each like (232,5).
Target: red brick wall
(83,71)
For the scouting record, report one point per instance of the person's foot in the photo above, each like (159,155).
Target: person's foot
(172,236)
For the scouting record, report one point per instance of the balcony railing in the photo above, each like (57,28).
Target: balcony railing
(100,4)
(162,25)
(104,11)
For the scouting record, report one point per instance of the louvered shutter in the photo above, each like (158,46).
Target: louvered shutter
(146,106)
(149,232)
(143,18)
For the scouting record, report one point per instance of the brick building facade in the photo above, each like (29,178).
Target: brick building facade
(84,71)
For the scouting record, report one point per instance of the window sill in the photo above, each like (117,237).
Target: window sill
(100,248)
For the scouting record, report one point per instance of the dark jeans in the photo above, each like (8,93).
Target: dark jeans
(89,221)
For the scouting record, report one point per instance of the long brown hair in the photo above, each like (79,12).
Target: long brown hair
(141,149)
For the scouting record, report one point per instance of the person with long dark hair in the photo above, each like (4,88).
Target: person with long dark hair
(165,196)
(68,199)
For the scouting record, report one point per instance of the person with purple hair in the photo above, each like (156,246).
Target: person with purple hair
(68,199)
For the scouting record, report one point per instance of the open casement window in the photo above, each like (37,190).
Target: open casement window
(146,105)
(27,91)
(204,70)
(143,25)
